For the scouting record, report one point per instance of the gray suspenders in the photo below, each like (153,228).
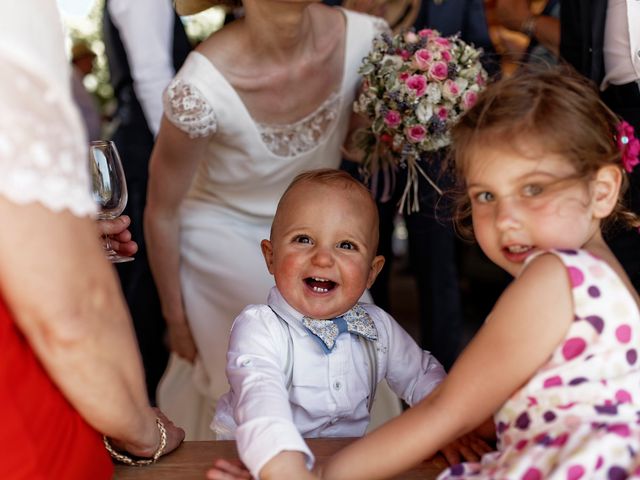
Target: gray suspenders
(369,348)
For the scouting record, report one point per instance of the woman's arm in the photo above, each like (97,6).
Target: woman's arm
(67,302)
(527,324)
(171,170)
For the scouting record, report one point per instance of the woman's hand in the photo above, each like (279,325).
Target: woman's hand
(181,339)
(147,448)
(119,234)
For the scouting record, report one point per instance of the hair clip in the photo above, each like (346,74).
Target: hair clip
(629,146)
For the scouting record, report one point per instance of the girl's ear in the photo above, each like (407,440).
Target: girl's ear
(606,190)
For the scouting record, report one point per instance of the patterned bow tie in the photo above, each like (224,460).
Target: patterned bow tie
(356,321)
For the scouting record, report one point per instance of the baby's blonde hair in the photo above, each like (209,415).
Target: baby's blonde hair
(556,107)
(332,176)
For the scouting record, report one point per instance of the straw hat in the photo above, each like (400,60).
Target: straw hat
(191,7)
(399,14)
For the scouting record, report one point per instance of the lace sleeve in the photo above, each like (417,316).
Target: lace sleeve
(189,110)
(42,147)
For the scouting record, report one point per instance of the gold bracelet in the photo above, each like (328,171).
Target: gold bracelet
(139,463)
(528,26)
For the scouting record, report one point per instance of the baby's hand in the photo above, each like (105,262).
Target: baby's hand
(228,470)
(469,447)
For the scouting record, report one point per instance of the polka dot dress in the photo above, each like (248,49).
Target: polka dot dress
(578,417)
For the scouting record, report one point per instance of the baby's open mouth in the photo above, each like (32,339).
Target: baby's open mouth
(320,285)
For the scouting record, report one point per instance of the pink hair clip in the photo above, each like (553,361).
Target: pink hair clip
(629,146)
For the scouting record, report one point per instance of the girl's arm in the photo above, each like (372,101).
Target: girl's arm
(527,324)
(171,170)
(67,302)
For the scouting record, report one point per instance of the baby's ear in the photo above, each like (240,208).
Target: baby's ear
(267,253)
(606,190)
(376,265)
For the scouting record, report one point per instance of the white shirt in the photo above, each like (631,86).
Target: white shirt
(328,394)
(146,31)
(622,43)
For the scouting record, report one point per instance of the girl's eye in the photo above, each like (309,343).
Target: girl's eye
(484,197)
(346,245)
(302,239)
(532,190)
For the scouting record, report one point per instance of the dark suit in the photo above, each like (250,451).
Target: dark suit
(135,142)
(582,41)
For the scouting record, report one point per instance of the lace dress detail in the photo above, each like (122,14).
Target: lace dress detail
(303,135)
(43,151)
(188,109)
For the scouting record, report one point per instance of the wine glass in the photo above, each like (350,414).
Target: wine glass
(109,188)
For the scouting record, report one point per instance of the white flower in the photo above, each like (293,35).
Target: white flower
(424,111)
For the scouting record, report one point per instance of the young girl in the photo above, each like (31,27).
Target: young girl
(543,164)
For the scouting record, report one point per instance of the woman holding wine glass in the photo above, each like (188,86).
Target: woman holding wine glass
(109,189)
(71,380)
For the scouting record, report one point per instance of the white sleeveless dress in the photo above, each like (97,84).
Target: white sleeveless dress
(230,207)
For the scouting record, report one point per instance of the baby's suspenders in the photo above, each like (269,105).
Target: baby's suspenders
(369,348)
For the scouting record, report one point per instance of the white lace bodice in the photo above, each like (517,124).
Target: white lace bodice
(188,109)
(42,142)
(246,165)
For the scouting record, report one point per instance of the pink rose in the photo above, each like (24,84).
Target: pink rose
(416,133)
(425,32)
(410,37)
(450,89)
(417,83)
(392,118)
(442,41)
(443,113)
(446,55)
(405,55)
(403,76)
(438,71)
(423,58)
(469,99)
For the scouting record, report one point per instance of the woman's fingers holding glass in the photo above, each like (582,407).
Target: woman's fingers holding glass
(118,233)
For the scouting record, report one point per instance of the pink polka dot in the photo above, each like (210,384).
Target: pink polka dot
(619,429)
(622,396)
(575,276)
(521,444)
(532,474)
(573,347)
(560,440)
(575,472)
(623,333)
(599,462)
(552,382)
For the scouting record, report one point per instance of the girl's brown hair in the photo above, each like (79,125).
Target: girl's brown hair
(557,108)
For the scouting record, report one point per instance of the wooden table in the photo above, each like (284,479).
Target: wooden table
(192,459)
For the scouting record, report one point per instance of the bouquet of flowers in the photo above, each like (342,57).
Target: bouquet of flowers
(415,87)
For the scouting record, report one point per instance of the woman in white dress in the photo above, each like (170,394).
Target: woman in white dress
(261,100)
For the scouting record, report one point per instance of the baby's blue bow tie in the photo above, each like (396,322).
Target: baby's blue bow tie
(356,321)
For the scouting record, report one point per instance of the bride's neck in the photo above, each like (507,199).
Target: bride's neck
(280,30)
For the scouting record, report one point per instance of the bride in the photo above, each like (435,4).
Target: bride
(263,99)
